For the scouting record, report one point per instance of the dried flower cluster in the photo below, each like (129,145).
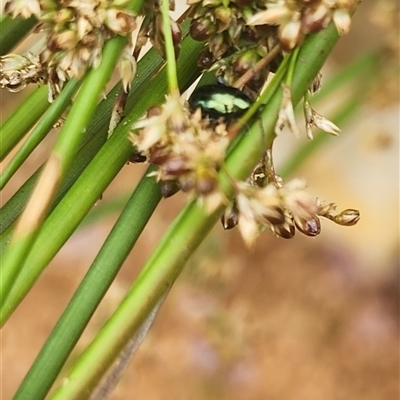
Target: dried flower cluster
(187,148)
(153,29)
(17,71)
(236,46)
(75,31)
(287,118)
(240,33)
(281,209)
(189,151)
(297,18)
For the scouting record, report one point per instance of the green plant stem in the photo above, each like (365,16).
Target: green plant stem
(292,66)
(24,117)
(106,208)
(91,290)
(185,234)
(39,132)
(169,48)
(62,157)
(263,100)
(87,100)
(12,31)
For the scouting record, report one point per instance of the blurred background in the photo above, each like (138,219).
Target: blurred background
(287,320)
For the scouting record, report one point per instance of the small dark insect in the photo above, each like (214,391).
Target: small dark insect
(218,101)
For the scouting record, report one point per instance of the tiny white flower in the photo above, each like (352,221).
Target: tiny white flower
(325,125)
(286,113)
(342,20)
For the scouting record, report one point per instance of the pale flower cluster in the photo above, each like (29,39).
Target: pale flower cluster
(286,117)
(17,71)
(297,18)
(76,31)
(282,209)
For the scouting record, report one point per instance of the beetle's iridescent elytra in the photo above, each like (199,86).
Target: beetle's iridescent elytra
(218,101)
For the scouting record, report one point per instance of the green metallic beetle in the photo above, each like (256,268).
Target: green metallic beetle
(218,101)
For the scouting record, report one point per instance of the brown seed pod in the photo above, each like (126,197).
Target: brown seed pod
(230,218)
(205,60)
(169,188)
(202,28)
(309,227)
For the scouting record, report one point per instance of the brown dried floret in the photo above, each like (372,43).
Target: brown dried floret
(17,71)
(296,19)
(282,210)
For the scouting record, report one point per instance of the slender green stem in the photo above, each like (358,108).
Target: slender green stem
(40,131)
(265,96)
(292,66)
(12,31)
(106,208)
(113,252)
(87,100)
(169,48)
(24,117)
